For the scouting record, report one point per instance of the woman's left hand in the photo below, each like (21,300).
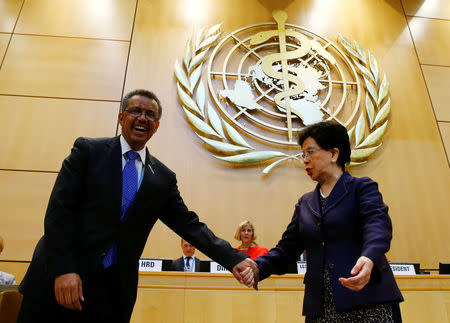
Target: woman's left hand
(362,270)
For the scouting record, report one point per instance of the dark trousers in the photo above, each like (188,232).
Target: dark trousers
(102,303)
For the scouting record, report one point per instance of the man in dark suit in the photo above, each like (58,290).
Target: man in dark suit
(188,262)
(106,199)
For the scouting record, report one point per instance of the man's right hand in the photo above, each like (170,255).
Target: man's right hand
(247,273)
(69,291)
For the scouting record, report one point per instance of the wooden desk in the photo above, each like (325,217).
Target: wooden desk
(203,297)
(174,297)
(8,287)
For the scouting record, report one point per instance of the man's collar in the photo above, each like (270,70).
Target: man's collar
(126,147)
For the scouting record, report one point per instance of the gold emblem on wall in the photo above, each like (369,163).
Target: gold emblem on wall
(268,81)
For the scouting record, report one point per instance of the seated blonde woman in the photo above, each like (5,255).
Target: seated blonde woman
(245,233)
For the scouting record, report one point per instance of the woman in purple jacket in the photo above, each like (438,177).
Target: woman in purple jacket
(345,229)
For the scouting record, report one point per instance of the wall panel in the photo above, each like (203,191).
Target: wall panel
(438,79)
(23,201)
(64,67)
(431,39)
(9,12)
(4,40)
(445,132)
(78,18)
(427,8)
(42,131)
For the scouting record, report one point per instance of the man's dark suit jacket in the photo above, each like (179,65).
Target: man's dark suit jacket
(83,220)
(354,223)
(178,264)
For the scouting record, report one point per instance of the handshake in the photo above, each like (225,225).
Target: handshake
(247,273)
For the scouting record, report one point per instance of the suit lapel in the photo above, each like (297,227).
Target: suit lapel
(149,175)
(314,204)
(338,193)
(116,172)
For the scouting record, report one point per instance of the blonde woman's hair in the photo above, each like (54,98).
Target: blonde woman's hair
(241,225)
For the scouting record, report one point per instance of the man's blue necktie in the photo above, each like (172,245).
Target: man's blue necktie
(187,267)
(129,189)
(130,182)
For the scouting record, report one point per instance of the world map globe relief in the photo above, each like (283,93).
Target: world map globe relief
(244,93)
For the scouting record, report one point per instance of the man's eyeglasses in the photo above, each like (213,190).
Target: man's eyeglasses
(307,154)
(150,115)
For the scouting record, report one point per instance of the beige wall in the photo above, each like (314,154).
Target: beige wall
(66,64)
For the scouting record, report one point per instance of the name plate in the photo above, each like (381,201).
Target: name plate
(301,267)
(403,269)
(217,268)
(150,264)
(397,269)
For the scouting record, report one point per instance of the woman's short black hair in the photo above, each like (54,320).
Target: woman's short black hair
(328,135)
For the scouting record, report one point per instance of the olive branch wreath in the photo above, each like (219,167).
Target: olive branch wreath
(377,104)
(223,138)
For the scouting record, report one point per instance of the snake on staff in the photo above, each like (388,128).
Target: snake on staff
(269,60)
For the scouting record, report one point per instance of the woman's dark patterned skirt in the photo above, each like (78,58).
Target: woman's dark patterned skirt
(380,313)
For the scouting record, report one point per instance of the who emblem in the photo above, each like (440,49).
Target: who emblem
(268,81)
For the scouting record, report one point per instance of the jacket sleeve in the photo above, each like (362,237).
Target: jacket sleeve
(287,250)
(376,224)
(186,224)
(60,223)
